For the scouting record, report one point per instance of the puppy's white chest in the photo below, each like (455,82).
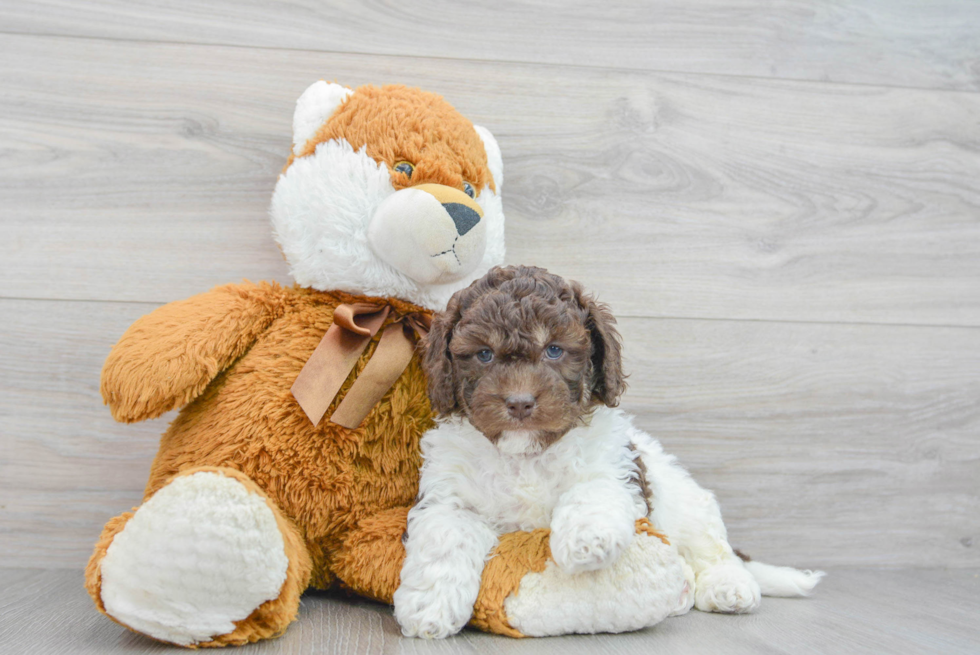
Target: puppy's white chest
(512,488)
(522,495)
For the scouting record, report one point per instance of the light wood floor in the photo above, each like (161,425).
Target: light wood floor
(779,199)
(857,611)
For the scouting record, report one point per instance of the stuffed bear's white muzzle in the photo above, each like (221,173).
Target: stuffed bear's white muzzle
(432,233)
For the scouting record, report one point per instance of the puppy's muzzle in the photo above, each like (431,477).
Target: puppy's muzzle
(432,233)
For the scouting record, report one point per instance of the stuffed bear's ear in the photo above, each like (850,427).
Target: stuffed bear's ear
(608,379)
(494,161)
(313,108)
(437,361)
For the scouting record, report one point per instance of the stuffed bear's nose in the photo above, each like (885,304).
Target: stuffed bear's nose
(464,217)
(465,211)
(520,405)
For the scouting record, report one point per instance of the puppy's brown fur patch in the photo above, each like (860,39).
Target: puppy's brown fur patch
(517,312)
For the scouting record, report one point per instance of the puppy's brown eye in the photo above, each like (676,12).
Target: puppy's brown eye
(553,352)
(404,167)
(468,189)
(485,355)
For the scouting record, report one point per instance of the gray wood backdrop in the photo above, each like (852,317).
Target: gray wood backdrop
(779,199)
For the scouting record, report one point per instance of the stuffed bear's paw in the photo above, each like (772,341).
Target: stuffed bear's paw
(434,613)
(200,555)
(728,588)
(588,545)
(645,585)
(686,600)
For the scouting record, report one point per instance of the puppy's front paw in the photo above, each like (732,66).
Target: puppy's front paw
(430,614)
(728,588)
(581,546)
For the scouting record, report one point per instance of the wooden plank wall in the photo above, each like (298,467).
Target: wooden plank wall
(780,200)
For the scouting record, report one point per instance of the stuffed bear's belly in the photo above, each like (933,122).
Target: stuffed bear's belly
(325,477)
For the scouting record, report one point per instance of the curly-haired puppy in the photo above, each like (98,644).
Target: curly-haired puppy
(527,368)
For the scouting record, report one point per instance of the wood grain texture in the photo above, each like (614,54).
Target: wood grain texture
(142,171)
(855,611)
(827,445)
(56,434)
(928,44)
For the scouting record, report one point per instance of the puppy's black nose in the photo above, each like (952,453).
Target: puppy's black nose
(520,405)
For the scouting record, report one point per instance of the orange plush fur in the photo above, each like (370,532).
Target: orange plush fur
(395,123)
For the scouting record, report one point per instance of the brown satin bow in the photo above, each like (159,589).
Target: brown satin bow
(353,327)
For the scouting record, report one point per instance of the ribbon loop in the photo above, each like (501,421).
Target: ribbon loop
(354,326)
(419,322)
(361,318)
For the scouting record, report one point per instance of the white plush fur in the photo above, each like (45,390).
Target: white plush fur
(494,160)
(324,203)
(200,554)
(582,487)
(639,590)
(313,108)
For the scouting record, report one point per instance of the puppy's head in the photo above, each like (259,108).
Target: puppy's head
(524,355)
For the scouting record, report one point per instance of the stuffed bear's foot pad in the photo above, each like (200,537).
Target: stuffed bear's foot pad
(645,585)
(200,554)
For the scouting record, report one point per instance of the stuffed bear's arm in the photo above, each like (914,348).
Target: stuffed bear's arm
(168,357)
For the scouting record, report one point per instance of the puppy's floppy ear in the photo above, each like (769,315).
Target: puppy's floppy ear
(608,380)
(437,361)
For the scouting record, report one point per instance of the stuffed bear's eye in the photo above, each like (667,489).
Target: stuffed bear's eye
(468,188)
(553,352)
(485,355)
(404,167)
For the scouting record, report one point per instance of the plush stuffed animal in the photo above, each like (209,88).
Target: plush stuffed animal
(295,457)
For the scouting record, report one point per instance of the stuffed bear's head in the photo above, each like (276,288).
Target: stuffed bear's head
(388,192)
